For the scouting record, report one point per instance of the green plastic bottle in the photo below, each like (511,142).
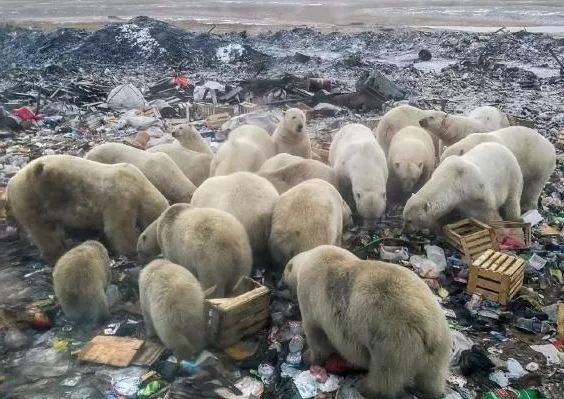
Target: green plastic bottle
(509,393)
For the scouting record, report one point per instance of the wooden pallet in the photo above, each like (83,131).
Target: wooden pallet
(518,231)
(230,319)
(216,120)
(496,276)
(471,237)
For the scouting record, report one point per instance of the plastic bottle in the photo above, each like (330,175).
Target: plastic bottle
(295,346)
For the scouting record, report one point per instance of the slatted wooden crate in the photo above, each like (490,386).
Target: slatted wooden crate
(216,120)
(471,237)
(517,231)
(230,319)
(496,276)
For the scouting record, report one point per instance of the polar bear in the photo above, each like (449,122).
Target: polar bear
(172,304)
(246,149)
(80,278)
(362,171)
(396,119)
(157,167)
(482,183)
(195,165)
(78,194)
(289,176)
(366,311)
(189,137)
(279,161)
(451,128)
(290,135)
(411,158)
(212,244)
(535,154)
(248,197)
(310,214)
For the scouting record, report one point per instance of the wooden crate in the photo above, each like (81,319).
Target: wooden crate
(230,319)
(471,237)
(518,231)
(216,120)
(496,276)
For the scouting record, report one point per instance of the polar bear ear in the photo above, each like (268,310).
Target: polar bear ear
(420,165)
(396,164)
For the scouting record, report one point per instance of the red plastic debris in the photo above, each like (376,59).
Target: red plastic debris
(25,114)
(182,81)
(337,365)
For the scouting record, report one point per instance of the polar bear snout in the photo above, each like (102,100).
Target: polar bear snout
(300,127)
(424,122)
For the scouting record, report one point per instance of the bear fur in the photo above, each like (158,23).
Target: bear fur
(535,154)
(248,197)
(366,311)
(80,278)
(296,172)
(290,135)
(451,128)
(411,158)
(362,171)
(212,244)
(482,183)
(172,304)
(189,137)
(158,167)
(310,214)
(56,194)
(279,161)
(246,149)
(396,119)
(195,165)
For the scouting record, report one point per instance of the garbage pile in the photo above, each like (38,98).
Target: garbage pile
(68,93)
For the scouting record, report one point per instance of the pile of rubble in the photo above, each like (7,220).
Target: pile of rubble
(65,91)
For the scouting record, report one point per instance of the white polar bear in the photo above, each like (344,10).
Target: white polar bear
(482,183)
(361,169)
(290,175)
(535,154)
(279,161)
(379,316)
(396,119)
(310,214)
(451,128)
(411,158)
(159,168)
(290,135)
(246,149)
(189,137)
(211,243)
(195,165)
(248,197)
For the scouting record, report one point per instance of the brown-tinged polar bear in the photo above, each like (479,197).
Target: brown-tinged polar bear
(411,158)
(451,128)
(172,303)
(248,197)
(289,176)
(56,194)
(535,154)
(310,214)
(157,167)
(246,149)
(482,183)
(80,278)
(189,137)
(290,135)
(211,243)
(195,165)
(367,311)
(361,169)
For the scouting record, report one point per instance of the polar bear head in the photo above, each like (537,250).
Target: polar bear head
(408,173)
(294,122)
(466,144)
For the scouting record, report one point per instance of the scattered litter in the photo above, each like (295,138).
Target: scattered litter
(550,352)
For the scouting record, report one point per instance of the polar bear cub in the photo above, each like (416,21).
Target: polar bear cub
(482,183)
(172,304)
(362,171)
(80,278)
(310,214)
(212,244)
(366,311)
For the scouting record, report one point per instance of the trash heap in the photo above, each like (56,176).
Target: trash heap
(64,92)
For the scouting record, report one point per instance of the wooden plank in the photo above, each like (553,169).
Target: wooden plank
(515,285)
(148,354)
(489,274)
(490,260)
(493,296)
(111,350)
(476,235)
(478,262)
(235,316)
(498,262)
(462,222)
(482,225)
(480,242)
(487,284)
(231,340)
(504,291)
(244,324)
(514,267)
(477,252)
(472,278)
